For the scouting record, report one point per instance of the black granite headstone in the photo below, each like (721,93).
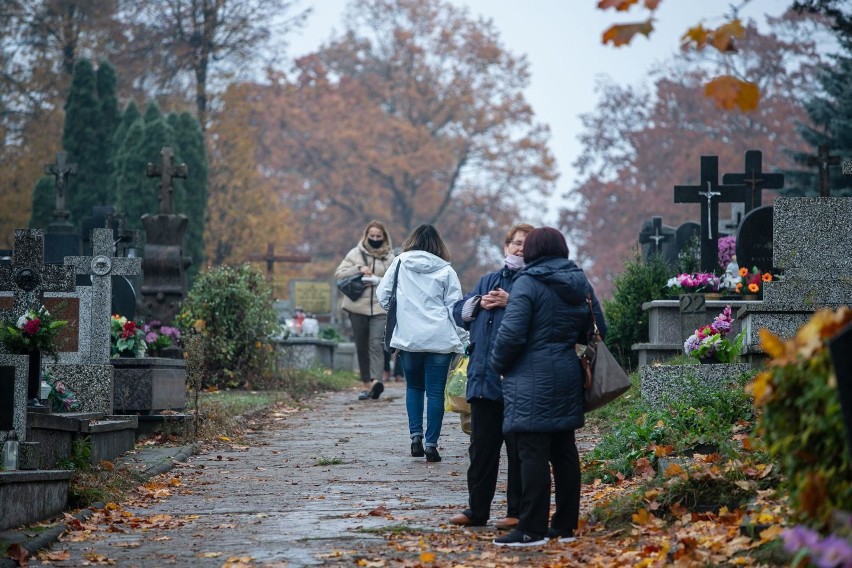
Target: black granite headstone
(754,239)
(59,245)
(685,233)
(123,297)
(7,397)
(97,220)
(658,239)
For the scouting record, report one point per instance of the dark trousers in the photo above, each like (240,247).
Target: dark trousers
(486,442)
(537,452)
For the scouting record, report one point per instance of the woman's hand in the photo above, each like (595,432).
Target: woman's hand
(497,298)
(366,271)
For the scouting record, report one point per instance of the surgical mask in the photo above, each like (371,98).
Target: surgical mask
(375,243)
(514,262)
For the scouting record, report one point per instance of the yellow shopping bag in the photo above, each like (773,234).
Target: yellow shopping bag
(455,393)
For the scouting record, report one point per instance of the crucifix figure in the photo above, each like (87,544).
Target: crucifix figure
(60,170)
(100,267)
(655,235)
(271,258)
(823,160)
(709,194)
(755,179)
(166,171)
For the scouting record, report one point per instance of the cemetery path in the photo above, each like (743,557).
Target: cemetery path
(332,485)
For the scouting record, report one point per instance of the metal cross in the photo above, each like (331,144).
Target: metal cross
(709,194)
(60,170)
(166,171)
(823,160)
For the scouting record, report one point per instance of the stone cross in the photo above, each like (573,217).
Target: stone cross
(100,267)
(755,179)
(655,235)
(166,171)
(271,258)
(709,194)
(28,277)
(823,160)
(61,170)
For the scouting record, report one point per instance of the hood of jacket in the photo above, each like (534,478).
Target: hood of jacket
(422,261)
(562,275)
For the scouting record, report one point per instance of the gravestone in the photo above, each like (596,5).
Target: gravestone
(730,226)
(13,395)
(312,296)
(658,239)
(97,220)
(61,238)
(812,237)
(164,266)
(684,235)
(755,179)
(709,193)
(28,278)
(823,161)
(754,239)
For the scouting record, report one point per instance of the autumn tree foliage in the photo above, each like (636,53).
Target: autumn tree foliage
(639,143)
(245,208)
(415,114)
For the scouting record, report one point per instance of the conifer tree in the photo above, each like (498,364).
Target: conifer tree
(138,194)
(80,141)
(107,124)
(831,113)
(190,144)
(44,201)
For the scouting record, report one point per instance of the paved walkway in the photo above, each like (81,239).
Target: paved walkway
(326,486)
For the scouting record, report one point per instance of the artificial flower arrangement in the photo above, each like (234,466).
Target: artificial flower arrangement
(710,341)
(35,330)
(61,398)
(727,249)
(158,337)
(690,283)
(752,282)
(127,338)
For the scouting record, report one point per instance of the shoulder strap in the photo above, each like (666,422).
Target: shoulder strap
(395,280)
(594,325)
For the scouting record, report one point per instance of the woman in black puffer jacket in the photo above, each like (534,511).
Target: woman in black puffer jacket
(542,383)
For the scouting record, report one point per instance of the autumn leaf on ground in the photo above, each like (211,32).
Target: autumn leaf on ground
(378,511)
(729,93)
(622,34)
(18,553)
(54,555)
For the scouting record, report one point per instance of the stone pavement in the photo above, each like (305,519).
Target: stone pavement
(316,486)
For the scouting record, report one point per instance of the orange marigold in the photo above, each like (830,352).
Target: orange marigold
(767,277)
(753,288)
(743,271)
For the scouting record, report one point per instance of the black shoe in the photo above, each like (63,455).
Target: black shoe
(432,454)
(520,538)
(417,447)
(364,395)
(564,535)
(378,389)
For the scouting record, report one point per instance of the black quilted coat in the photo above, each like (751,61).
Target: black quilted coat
(534,349)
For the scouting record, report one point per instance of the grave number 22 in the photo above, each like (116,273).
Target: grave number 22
(692,304)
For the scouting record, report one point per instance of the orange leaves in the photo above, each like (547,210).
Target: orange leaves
(729,92)
(722,38)
(619,5)
(622,34)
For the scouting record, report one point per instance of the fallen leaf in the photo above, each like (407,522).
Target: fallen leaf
(622,34)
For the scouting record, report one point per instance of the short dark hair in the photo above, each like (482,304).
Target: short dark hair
(543,242)
(426,237)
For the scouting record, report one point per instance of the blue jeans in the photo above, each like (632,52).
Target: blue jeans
(425,373)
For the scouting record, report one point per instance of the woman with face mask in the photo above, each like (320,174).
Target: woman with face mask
(480,312)
(371,257)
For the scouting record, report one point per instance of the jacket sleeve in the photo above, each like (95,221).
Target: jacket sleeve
(514,329)
(457,308)
(348,266)
(383,290)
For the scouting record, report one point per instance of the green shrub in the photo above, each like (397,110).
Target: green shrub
(627,322)
(801,420)
(232,308)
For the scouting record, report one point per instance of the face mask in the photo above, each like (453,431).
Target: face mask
(514,262)
(375,243)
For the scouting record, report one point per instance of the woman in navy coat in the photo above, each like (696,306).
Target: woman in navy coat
(542,383)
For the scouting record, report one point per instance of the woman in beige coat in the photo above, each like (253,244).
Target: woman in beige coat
(371,257)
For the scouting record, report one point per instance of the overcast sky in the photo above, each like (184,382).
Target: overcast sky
(561,39)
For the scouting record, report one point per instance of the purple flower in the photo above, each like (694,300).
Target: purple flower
(727,249)
(800,537)
(172,332)
(151,337)
(832,551)
(691,344)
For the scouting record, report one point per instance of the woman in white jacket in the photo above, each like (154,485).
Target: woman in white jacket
(425,332)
